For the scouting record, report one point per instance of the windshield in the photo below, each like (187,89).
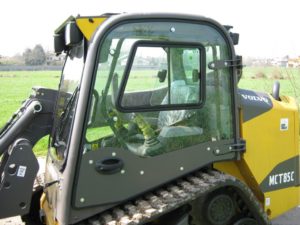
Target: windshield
(67,95)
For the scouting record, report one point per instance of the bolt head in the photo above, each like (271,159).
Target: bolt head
(82,200)
(172,29)
(142,172)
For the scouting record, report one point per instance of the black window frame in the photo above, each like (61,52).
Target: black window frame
(147,43)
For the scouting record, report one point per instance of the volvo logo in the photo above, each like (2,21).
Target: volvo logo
(255,98)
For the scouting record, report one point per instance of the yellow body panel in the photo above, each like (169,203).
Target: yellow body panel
(49,216)
(240,170)
(267,147)
(88,26)
(281,201)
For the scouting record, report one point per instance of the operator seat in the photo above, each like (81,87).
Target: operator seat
(176,124)
(181,93)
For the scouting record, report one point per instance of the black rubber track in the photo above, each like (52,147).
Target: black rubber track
(153,205)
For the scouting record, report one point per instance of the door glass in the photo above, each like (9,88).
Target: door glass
(163,76)
(166,82)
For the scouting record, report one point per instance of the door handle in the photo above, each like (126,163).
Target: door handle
(109,165)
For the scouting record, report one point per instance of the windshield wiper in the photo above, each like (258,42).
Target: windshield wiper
(61,124)
(67,109)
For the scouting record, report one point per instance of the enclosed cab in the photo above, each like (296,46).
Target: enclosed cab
(150,128)
(156,101)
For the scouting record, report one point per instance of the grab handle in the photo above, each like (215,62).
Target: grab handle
(109,165)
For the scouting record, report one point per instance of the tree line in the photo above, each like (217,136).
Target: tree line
(35,56)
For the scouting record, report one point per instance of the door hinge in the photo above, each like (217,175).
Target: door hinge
(222,64)
(240,146)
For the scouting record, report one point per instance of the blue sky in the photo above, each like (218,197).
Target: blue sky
(267,28)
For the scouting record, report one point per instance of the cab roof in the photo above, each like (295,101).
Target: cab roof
(86,24)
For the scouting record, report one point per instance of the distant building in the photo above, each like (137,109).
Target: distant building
(277,62)
(280,62)
(294,63)
(53,59)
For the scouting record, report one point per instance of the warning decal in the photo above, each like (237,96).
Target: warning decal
(21,171)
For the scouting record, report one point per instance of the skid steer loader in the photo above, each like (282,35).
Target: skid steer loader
(148,127)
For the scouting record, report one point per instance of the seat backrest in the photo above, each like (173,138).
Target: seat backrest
(181,93)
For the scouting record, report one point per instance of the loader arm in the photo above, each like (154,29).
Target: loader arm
(18,164)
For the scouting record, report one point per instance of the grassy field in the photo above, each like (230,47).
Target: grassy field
(262,79)
(15,86)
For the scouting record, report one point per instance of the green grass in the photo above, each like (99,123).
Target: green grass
(15,86)
(289,85)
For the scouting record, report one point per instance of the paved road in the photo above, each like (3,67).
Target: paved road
(11,221)
(290,218)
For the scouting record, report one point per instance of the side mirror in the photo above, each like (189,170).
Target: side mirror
(68,35)
(73,35)
(59,43)
(235,38)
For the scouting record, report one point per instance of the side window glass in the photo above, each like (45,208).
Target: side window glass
(147,77)
(67,95)
(162,76)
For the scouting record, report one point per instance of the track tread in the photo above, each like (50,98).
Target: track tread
(157,203)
